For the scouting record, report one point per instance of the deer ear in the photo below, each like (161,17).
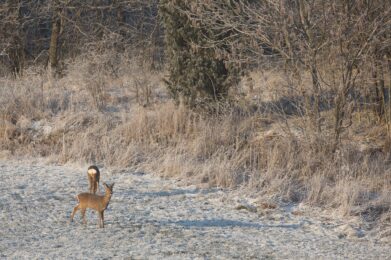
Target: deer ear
(112,185)
(105,184)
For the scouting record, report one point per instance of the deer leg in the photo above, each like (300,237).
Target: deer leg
(97,182)
(75,209)
(95,186)
(91,183)
(83,213)
(101,220)
(98,188)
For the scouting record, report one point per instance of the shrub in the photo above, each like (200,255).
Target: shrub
(197,70)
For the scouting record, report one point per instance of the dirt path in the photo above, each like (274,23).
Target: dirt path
(151,218)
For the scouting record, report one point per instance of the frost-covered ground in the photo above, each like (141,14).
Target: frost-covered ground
(152,218)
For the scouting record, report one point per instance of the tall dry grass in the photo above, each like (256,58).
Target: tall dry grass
(254,143)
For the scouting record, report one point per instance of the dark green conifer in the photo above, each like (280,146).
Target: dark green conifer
(197,70)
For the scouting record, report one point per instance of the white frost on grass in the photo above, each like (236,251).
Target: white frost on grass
(152,218)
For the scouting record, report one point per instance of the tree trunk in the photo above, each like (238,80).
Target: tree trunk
(16,51)
(316,89)
(53,48)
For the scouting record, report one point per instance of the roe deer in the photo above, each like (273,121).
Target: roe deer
(93,178)
(99,203)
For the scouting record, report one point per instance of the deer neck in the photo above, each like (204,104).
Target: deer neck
(106,199)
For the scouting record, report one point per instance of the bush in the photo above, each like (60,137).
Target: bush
(197,70)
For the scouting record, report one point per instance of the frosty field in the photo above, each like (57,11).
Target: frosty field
(153,218)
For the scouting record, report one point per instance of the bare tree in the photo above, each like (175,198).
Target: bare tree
(48,30)
(330,40)
(11,28)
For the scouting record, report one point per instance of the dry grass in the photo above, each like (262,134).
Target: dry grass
(124,119)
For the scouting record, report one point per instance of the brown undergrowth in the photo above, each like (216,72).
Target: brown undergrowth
(131,122)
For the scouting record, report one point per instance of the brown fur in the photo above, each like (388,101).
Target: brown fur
(95,202)
(93,178)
